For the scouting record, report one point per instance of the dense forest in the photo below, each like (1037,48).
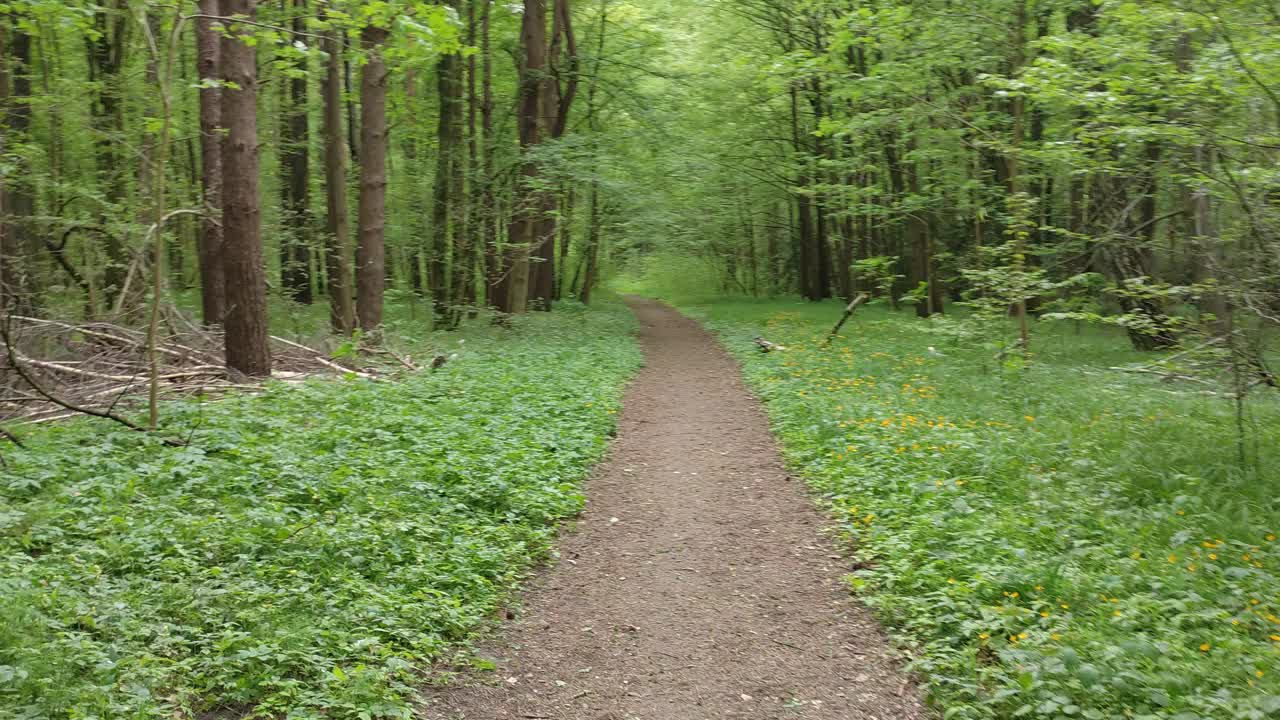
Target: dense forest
(1107,161)
(316,303)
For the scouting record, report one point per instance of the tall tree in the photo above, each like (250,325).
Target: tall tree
(559,90)
(591,253)
(17,198)
(209,244)
(295,170)
(107,49)
(448,234)
(247,348)
(529,201)
(337,254)
(371,262)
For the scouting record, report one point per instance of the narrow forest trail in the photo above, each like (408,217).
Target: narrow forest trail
(699,584)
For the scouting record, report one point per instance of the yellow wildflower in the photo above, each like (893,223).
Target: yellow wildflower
(1205,647)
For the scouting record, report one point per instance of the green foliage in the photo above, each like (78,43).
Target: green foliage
(1077,544)
(314,548)
(672,276)
(879,272)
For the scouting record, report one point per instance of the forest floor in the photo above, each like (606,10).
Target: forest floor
(699,583)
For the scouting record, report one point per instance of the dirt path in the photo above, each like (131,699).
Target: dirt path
(698,585)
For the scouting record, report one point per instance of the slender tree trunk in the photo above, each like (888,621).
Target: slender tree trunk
(338,228)
(209,246)
(371,264)
(594,232)
(353,124)
(568,197)
(919,245)
(18,287)
(295,189)
(444,231)
(591,253)
(246,286)
(462,267)
(1200,224)
(529,201)
(1017,184)
(475,205)
(496,287)
(106,59)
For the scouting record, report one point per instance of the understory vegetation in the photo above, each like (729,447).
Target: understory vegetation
(313,548)
(1062,540)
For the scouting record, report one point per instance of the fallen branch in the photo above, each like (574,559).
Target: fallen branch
(40,389)
(11,438)
(848,313)
(316,355)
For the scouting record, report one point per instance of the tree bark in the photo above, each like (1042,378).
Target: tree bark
(106,59)
(295,169)
(371,264)
(475,208)
(246,288)
(496,288)
(445,230)
(209,245)
(17,284)
(529,201)
(338,227)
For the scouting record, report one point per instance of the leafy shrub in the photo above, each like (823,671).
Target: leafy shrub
(313,549)
(1070,542)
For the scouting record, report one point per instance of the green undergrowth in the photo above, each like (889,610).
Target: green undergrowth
(314,548)
(1064,541)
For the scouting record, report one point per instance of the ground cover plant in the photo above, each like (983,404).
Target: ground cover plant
(314,547)
(1060,541)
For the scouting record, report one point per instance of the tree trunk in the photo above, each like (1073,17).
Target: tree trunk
(371,264)
(338,228)
(475,206)
(593,246)
(17,285)
(807,250)
(295,190)
(920,246)
(1200,226)
(444,231)
(246,287)
(106,59)
(462,270)
(209,245)
(529,201)
(496,288)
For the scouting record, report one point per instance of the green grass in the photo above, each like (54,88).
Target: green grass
(1063,541)
(315,548)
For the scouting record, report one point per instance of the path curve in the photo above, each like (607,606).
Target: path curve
(698,584)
